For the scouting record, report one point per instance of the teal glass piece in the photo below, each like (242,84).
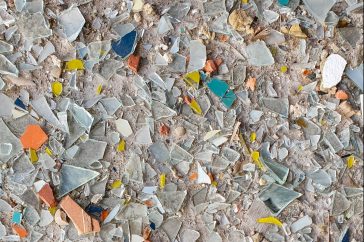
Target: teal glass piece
(16,218)
(229,99)
(218,87)
(283,2)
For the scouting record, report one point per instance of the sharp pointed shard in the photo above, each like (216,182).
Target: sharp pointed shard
(73,177)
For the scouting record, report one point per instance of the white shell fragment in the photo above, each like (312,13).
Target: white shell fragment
(333,70)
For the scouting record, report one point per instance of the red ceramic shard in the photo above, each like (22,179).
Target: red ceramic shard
(46,195)
(34,137)
(82,221)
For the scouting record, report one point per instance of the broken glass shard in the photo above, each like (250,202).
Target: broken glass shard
(320,179)
(202,177)
(111,105)
(89,153)
(333,141)
(109,68)
(142,136)
(178,11)
(123,127)
(197,56)
(7,137)
(134,168)
(278,105)
(214,8)
(159,151)
(42,108)
(72,21)
(82,117)
(45,218)
(98,50)
(160,60)
(172,201)
(333,70)
(189,235)
(160,111)
(270,16)
(178,155)
(356,75)
(156,79)
(277,197)
(353,191)
(172,226)
(259,54)
(5,47)
(33,26)
(7,106)
(319,8)
(340,204)
(7,68)
(73,177)
(301,223)
(125,46)
(47,51)
(175,46)
(178,64)
(23,165)
(277,171)
(164,25)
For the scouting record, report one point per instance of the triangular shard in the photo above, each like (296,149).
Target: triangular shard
(319,8)
(277,197)
(197,55)
(142,136)
(72,177)
(202,177)
(6,136)
(7,68)
(278,105)
(111,105)
(277,171)
(259,54)
(160,111)
(340,204)
(172,226)
(172,201)
(82,117)
(71,20)
(42,108)
(125,46)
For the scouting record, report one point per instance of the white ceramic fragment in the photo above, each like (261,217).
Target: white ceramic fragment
(202,177)
(333,70)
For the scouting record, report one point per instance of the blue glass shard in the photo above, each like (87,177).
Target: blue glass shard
(94,210)
(218,87)
(346,237)
(20,104)
(203,76)
(125,46)
(16,218)
(152,226)
(229,99)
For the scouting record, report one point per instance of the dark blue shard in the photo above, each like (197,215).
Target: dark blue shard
(125,46)
(19,103)
(346,237)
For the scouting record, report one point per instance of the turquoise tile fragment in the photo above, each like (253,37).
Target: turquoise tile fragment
(283,2)
(222,90)
(125,46)
(16,218)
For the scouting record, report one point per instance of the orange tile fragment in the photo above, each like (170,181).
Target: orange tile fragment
(164,130)
(341,95)
(251,83)
(34,137)
(146,233)
(133,62)
(82,221)
(104,215)
(19,230)
(210,66)
(149,203)
(193,176)
(46,195)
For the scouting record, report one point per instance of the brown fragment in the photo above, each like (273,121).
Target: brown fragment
(46,195)
(210,66)
(346,109)
(133,62)
(82,221)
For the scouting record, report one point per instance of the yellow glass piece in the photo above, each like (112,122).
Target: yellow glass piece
(270,220)
(300,88)
(48,151)
(121,146)
(245,1)
(284,69)
(296,31)
(256,158)
(192,78)
(162,181)
(195,106)
(33,156)
(52,210)
(74,65)
(214,183)
(351,161)
(116,184)
(99,89)
(253,137)
(57,88)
